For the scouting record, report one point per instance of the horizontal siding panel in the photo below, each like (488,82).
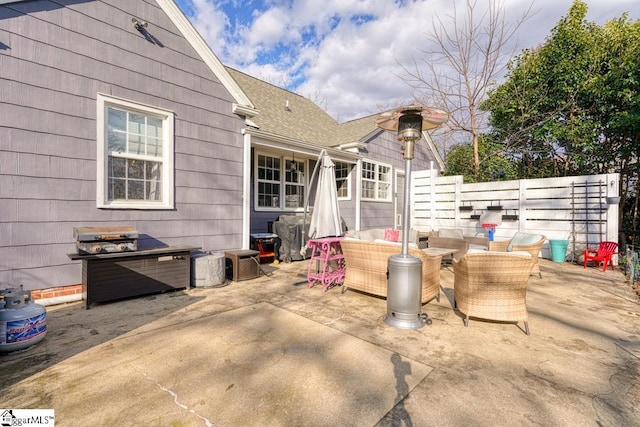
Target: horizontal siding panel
(222,137)
(27,141)
(33,256)
(42,277)
(46,188)
(201,195)
(36,165)
(221,167)
(212,180)
(34,234)
(43,121)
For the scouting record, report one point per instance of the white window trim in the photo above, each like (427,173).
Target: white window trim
(347,181)
(283,161)
(168,173)
(390,182)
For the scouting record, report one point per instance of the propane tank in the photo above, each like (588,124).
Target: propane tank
(23,323)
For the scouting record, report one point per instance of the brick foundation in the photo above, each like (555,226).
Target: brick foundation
(59,291)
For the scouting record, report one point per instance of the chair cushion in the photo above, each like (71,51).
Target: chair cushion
(455,233)
(523,239)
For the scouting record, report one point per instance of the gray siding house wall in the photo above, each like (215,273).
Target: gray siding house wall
(55,58)
(384,147)
(290,126)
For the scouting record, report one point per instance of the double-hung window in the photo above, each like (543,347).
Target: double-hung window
(342,180)
(280,182)
(376,181)
(135,155)
(268,181)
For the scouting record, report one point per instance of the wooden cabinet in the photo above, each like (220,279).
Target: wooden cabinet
(113,276)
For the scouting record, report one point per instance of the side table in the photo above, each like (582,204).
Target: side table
(327,262)
(242,264)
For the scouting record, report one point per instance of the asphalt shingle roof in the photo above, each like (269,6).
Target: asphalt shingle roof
(288,114)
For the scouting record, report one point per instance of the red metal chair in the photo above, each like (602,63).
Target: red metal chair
(603,254)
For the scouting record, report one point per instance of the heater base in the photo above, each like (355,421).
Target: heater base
(404,292)
(421,320)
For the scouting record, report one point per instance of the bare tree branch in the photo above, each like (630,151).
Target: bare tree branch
(469,53)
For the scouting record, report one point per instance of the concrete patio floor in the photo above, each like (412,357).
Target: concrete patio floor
(271,351)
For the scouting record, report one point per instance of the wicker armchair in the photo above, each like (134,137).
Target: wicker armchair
(366,268)
(513,245)
(492,286)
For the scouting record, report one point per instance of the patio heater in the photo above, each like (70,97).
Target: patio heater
(404,283)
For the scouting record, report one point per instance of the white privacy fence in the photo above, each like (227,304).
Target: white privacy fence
(580,209)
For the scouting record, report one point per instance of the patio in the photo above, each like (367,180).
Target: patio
(270,351)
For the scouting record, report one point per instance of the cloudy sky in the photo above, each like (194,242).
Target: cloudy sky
(347,55)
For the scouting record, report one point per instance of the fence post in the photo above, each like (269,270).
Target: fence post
(522,205)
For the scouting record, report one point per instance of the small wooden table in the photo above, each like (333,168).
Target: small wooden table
(439,251)
(443,252)
(327,262)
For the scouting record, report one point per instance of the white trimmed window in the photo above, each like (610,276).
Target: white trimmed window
(342,180)
(294,182)
(268,181)
(376,181)
(134,156)
(280,182)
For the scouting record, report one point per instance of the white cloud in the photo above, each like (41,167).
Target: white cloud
(347,52)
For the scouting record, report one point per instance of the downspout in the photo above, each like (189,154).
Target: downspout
(246,190)
(358,193)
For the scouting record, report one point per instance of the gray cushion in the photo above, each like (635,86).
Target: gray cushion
(371,234)
(523,239)
(455,233)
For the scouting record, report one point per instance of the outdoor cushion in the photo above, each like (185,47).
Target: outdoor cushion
(486,252)
(523,239)
(398,243)
(413,236)
(391,234)
(371,234)
(455,233)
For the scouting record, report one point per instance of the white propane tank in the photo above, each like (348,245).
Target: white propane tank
(23,323)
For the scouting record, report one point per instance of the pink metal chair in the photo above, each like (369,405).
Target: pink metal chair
(603,254)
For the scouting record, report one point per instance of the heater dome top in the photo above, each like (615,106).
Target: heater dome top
(431,117)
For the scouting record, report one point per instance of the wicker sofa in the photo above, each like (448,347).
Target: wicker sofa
(492,285)
(366,267)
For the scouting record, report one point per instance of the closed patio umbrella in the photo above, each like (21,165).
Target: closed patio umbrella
(325,217)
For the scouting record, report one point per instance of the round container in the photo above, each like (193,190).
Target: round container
(23,323)
(558,250)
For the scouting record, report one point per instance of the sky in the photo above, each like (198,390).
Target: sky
(350,56)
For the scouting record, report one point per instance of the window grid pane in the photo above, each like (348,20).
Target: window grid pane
(132,135)
(342,179)
(268,181)
(376,181)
